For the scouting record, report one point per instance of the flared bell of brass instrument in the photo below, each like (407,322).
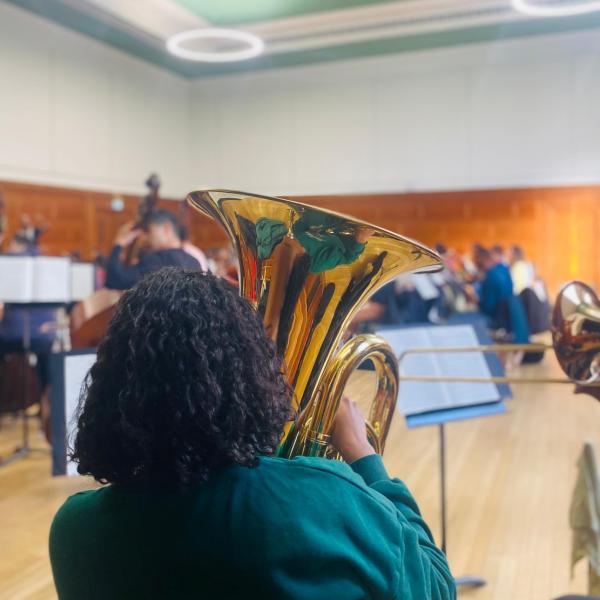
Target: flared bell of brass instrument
(576,332)
(307,271)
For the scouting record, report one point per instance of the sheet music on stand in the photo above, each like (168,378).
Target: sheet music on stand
(51,279)
(424,283)
(44,280)
(419,398)
(16,279)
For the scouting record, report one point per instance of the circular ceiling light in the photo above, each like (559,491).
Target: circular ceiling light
(556,10)
(254,45)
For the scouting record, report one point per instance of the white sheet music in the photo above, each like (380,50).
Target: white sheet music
(27,279)
(51,279)
(424,286)
(76,368)
(16,278)
(416,397)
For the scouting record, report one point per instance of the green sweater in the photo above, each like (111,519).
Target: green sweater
(302,529)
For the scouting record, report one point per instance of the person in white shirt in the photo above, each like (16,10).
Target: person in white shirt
(192,250)
(521,270)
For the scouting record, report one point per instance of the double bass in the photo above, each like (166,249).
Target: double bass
(89,318)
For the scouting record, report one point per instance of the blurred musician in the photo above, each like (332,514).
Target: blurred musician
(499,256)
(496,286)
(163,236)
(32,231)
(504,310)
(531,290)
(522,271)
(181,416)
(184,218)
(222,262)
(393,304)
(193,250)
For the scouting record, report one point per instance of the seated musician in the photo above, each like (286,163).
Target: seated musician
(504,310)
(180,417)
(164,236)
(496,285)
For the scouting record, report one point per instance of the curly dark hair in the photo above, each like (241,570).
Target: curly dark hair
(186,382)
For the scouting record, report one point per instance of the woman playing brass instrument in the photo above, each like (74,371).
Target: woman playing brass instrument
(180,417)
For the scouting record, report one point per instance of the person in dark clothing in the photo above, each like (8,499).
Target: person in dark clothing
(166,250)
(396,303)
(180,418)
(32,231)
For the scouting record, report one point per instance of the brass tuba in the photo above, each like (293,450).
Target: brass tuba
(307,271)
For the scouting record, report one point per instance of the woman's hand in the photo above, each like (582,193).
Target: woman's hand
(349,435)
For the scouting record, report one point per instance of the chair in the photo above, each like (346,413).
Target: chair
(584,517)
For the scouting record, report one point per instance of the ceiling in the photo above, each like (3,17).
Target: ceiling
(242,12)
(297,32)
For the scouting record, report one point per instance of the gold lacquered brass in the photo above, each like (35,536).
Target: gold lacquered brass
(576,332)
(307,271)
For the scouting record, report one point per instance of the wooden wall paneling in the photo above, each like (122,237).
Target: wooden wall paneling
(557,227)
(108,221)
(551,249)
(90,229)
(582,252)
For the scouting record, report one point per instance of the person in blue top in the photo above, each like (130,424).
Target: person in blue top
(496,285)
(496,300)
(180,419)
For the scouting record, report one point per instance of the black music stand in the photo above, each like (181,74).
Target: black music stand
(441,416)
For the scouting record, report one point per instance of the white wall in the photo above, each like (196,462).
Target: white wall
(78,113)
(515,113)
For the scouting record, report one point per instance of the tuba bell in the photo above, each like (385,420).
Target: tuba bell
(307,271)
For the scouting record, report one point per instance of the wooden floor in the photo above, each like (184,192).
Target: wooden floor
(510,480)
